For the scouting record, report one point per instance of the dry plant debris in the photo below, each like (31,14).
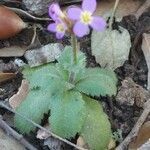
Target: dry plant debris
(16,99)
(49,141)
(6,76)
(54,144)
(13,51)
(10,26)
(25,14)
(44,54)
(145,146)
(10,143)
(42,134)
(126,7)
(142,9)
(131,93)
(134,132)
(7,143)
(146,51)
(40,7)
(142,137)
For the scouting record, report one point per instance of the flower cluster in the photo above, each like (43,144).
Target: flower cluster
(59,26)
(81,18)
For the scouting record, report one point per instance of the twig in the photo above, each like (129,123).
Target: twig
(26,14)
(42,128)
(135,130)
(16,135)
(10,1)
(113,13)
(35,41)
(142,9)
(34,35)
(70,2)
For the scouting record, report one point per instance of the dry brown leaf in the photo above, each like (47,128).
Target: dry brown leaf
(13,51)
(131,93)
(142,9)
(10,23)
(16,99)
(146,51)
(143,136)
(6,76)
(81,142)
(126,7)
(112,144)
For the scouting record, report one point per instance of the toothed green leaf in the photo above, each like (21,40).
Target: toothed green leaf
(40,74)
(33,107)
(96,82)
(41,80)
(68,113)
(96,130)
(66,60)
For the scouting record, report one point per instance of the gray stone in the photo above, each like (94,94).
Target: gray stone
(44,54)
(40,7)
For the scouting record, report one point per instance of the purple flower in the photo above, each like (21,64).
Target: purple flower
(84,18)
(55,11)
(59,27)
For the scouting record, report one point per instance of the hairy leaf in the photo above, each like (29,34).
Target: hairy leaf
(96,82)
(66,60)
(96,130)
(33,107)
(111,47)
(38,100)
(68,113)
(40,74)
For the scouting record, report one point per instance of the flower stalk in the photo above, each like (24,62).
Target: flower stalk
(75,48)
(74,44)
(113,13)
(77,21)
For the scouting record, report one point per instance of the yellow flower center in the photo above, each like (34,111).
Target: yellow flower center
(60,27)
(86,17)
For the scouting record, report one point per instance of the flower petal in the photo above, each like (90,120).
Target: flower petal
(80,29)
(74,13)
(60,35)
(54,11)
(98,23)
(89,5)
(52,27)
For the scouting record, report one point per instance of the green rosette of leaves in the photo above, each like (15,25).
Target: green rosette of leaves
(61,90)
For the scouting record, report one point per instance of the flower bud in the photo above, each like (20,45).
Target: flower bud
(55,12)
